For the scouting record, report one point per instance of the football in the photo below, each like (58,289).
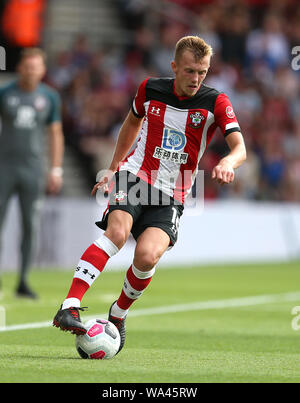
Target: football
(101,341)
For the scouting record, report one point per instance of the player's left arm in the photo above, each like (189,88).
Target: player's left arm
(56,142)
(224,171)
(225,118)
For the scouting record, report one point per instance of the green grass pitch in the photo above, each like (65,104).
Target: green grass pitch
(251,342)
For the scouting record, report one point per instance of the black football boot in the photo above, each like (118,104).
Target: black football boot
(120,325)
(69,320)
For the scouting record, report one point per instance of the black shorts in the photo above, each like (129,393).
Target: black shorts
(148,206)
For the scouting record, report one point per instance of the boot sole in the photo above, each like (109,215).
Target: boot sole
(74,330)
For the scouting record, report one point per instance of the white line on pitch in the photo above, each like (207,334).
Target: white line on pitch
(194,306)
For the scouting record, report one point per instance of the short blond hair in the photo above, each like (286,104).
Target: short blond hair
(32,52)
(195,44)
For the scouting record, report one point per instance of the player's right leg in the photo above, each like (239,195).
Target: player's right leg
(7,188)
(89,268)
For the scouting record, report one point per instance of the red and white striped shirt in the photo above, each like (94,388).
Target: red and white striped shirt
(175,133)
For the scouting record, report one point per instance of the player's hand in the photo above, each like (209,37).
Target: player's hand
(103,183)
(223,173)
(54,183)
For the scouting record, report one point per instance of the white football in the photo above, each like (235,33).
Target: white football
(101,341)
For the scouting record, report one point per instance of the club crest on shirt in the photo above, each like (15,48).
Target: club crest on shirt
(120,196)
(40,102)
(197,118)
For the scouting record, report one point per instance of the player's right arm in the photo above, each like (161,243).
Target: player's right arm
(127,136)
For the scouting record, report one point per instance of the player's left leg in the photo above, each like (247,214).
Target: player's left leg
(151,245)
(7,186)
(29,192)
(155,231)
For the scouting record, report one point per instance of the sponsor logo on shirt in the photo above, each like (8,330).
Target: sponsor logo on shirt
(173,144)
(26,117)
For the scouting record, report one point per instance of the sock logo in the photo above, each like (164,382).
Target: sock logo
(86,272)
(130,291)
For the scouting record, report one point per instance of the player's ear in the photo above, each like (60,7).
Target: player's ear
(44,69)
(173,66)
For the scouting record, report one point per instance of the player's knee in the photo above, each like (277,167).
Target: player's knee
(117,235)
(146,259)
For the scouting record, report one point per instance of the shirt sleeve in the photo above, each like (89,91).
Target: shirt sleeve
(224,115)
(55,110)
(138,108)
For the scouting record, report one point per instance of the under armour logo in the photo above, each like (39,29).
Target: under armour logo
(85,271)
(155,111)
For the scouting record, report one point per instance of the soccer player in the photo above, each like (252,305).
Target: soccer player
(175,120)
(27,107)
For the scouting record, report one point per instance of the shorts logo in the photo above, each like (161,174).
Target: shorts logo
(197,118)
(172,143)
(120,196)
(229,112)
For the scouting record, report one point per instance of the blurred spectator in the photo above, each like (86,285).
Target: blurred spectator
(247,102)
(133,12)
(206,27)
(291,147)
(63,72)
(143,45)
(164,54)
(252,44)
(222,75)
(80,52)
(272,165)
(268,44)
(233,35)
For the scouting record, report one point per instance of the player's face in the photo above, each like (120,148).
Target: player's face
(189,73)
(31,70)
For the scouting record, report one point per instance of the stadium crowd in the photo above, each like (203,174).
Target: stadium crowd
(252,63)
